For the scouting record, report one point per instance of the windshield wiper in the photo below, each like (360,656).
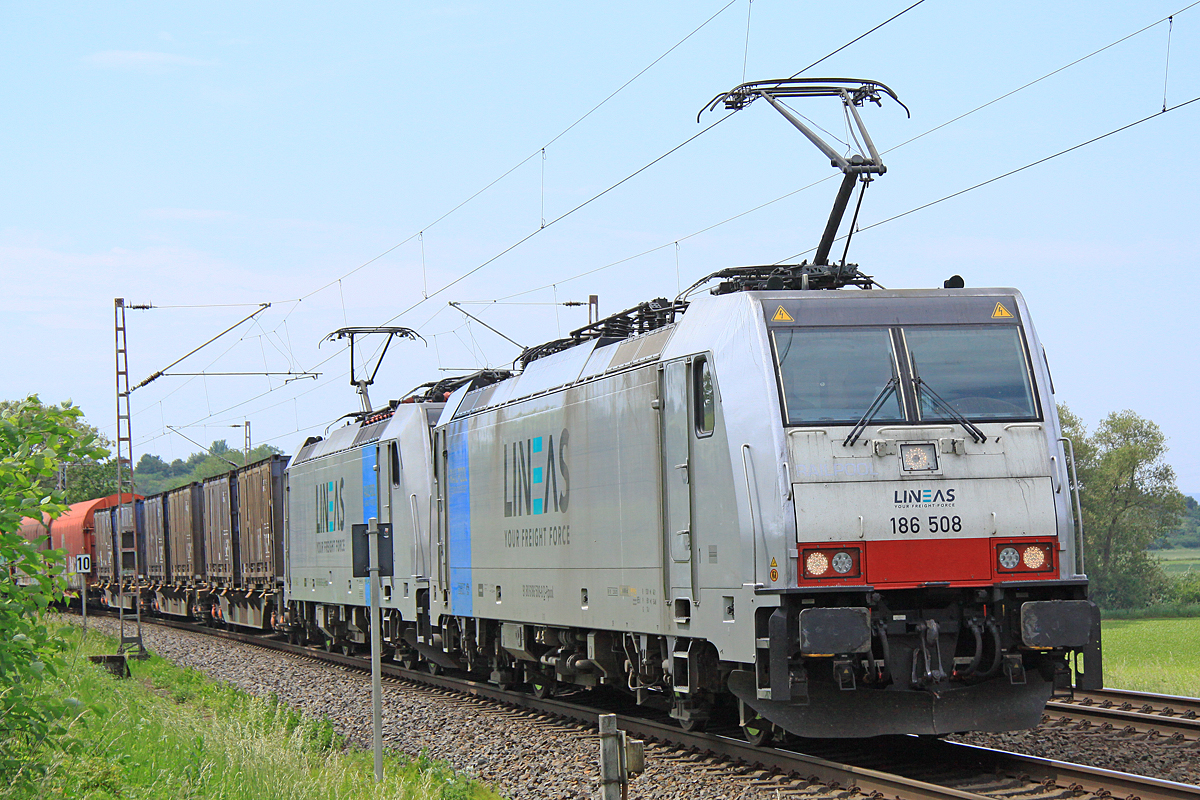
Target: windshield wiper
(977,435)
(876,404)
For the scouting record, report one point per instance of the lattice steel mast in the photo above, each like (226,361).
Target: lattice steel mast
(126,541)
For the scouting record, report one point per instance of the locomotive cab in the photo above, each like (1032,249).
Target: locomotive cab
(933,579)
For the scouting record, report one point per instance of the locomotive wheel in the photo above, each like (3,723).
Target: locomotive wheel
(327,643)
(758,732)
(347,649)
(409,660)
(433,667)
(693,725)
(542,688)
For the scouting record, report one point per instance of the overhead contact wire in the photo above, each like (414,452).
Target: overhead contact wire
(763,205)
(541,150)
(525,160)
(858,38)
(1007,174)
(559,218)
(889,150)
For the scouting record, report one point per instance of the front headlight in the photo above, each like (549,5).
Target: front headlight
(1033,557)
(1009,558)
(918,457)
(830,563)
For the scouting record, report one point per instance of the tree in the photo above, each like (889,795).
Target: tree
(34,440)
(82,478)
(153,475)
(1188,532)
(88,479)
(1129,500)
(152,465)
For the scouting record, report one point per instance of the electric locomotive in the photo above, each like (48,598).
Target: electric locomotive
(830,508)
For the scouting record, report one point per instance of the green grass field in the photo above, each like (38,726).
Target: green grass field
(1179,560)
(1153,655)
(173,732)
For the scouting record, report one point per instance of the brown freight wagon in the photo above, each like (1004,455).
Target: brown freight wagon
(131,530)
(220,518)
(120,552)
(155,517)
(260,523)
(185,510)
(243,527)
(182,593)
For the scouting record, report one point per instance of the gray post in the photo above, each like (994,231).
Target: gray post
(610,758)
(376,646)
(83,589)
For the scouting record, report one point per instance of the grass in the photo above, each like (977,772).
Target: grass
(1179,560)
(174,733)
(1153,655)
(1156,611)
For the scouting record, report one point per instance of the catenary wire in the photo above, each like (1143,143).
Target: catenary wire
(863,36)
(730,219)
(830,177)
(535,153)
(538,151)
(1006,174)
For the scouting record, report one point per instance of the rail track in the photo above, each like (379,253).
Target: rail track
(1127,713)
(902,767)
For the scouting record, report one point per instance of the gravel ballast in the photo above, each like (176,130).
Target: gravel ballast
(1154,758)
(522,756)
(525,756)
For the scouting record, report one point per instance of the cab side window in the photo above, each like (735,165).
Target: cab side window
(705,402)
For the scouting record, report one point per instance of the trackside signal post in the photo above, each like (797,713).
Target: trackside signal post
(367,563)
(83,567)
(376,650)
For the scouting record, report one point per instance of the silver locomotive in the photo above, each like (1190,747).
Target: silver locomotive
(848,511)
(831,512)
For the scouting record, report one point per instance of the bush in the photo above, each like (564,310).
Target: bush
(1185,588)
(34,440)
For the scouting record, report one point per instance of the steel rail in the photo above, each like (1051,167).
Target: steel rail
(907,767)
(812,769)
(1135,712)
(1078,778)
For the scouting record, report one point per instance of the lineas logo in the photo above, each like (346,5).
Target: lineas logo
(331,510)
(923,496)
(536,478)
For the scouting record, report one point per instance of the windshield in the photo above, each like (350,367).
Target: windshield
(980,371)
(835,374)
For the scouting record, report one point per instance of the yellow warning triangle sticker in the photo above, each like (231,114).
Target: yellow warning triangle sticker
(1001,312)
(783,316)
(773,564)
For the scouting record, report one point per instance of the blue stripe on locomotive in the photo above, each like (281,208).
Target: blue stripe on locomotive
(458,486)
(370,485)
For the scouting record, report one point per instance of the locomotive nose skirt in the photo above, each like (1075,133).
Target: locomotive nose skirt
(831,712)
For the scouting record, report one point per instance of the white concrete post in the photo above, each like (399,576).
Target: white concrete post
(376,646)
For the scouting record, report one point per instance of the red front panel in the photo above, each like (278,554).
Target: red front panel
(915,562)
(929,561)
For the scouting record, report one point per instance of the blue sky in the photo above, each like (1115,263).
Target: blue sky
(196,155)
